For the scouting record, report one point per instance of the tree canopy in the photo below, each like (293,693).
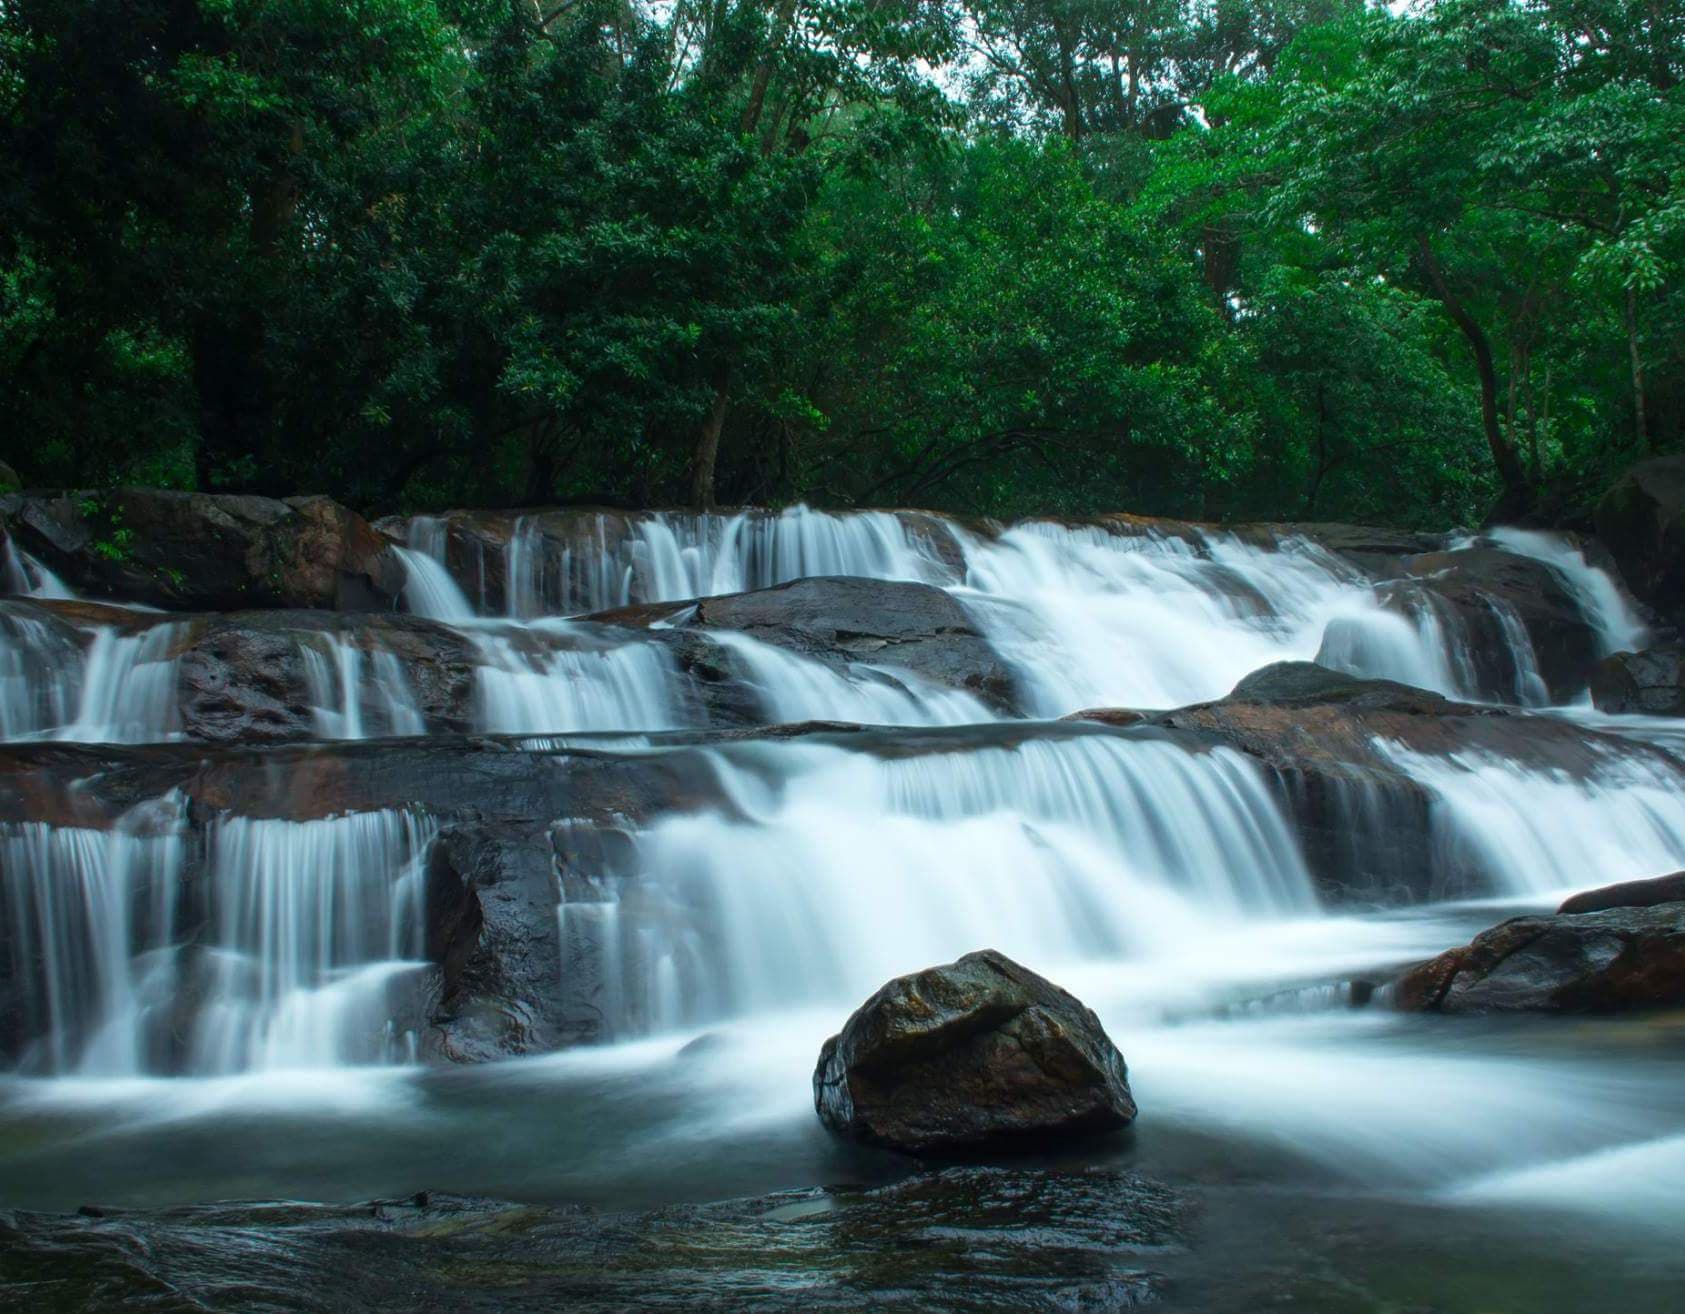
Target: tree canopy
(1296,258)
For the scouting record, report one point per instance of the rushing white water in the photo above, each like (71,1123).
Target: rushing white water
(1518,830)
(310,923)
(88,684)
(828,870)
(796,688)
(559,675)
(1611,613)
(93,918)
(22,574)
(429,589)
(1092,618)
(669,556)
(356,695)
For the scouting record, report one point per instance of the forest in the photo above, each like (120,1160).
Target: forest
(1417,265)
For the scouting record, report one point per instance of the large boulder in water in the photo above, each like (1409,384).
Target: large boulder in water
(1649,683)
(974,1055)
(183,550)
(1642,520)
(1613,959)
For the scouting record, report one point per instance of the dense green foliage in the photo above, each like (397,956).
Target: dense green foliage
(1294,258)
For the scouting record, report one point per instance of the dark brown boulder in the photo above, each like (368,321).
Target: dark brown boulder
(183,550)
(1628,894)
(1642,520)
(975,1055)
(1649,683)
(1616,959)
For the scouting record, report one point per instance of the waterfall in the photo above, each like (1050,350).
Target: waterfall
(429,589)
(1520,830)
(354,698)
(93,684)
(92,920)
(22,574)
(315,923)
(828,871)
(594,682)
(1600,600)
(595,562)
(796,688)
(286,953)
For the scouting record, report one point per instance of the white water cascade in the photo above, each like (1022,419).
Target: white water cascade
(1619,627)
(89,684)
(357,695)
(312,925)
(555,676)
(22,574)
(1535,831)
(828,870)
(795,688)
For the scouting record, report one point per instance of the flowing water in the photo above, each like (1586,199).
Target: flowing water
(231,1005)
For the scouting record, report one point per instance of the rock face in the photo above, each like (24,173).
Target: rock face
(975,1055)
(1617,958)
(1642,520)
(207,551)
(1649,683)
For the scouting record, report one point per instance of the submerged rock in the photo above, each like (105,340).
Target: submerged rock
(978,1054)
(1617,958)
(1649,683)
(967,1240)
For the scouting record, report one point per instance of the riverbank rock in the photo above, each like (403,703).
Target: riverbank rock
(1648,683)
(975,1055)
(206,551)
(1642,520)
(1610,960)
(1628,894)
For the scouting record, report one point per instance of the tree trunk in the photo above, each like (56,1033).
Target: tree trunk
(708,450)
(1518,494)
(1640,424)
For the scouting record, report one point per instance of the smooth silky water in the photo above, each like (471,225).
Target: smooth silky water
(1343,1158)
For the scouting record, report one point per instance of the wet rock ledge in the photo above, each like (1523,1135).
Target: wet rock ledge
(1618,948)
(966,1240)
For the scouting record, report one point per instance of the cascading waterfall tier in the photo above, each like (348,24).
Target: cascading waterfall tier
(1115,614)
(1513,829)
(825,870)
(93,683)
(257,943)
